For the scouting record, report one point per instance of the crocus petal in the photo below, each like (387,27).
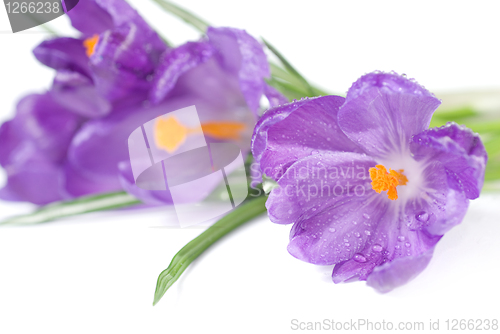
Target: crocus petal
(382,111)
(398,272)
(90,18)
(127,51)
(33,178)
(34,145)
(63,54)
(96,16)
(78,94)
(274,97)
(337,233)
(242,55)
(214,92)
(460,151)
(45,123)
(10,139)
(124,61)
(152,197)
(176,62)
(289,132)
(77,182)
(404,230)
(101,144)
(317,182)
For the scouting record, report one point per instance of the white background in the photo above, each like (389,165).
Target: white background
(97,273)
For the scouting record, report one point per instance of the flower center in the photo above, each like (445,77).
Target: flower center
(170,133)
(90,44)
(383,180)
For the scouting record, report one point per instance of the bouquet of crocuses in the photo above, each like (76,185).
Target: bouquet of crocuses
(370,182)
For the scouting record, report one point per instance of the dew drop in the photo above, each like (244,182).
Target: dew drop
(407,244)
(331,229)
(422,216)
(377,248)
(401,238)
(368,232)
(366,216)
(359,258)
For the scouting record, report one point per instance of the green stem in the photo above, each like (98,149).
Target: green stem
(197,246)
(79,206)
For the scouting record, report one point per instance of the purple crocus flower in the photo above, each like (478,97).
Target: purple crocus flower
(72,140)
(367,186)
(118,53)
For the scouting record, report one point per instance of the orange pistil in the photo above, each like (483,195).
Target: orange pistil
(223,130)
(383,180)
(90,44)
(170,133)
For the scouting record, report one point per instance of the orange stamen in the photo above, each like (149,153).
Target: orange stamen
(223,130)
(383,180)
(170,133)
(90,44)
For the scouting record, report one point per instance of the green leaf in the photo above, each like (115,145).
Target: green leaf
(244,213)
(492,168)
(489,126)
(71,208)
(456,114)
(289,90)
(183,14)
(290,68)
(281,74)
(492,145)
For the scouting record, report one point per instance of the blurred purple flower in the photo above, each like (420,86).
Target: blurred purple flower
(71,140)
(330,157)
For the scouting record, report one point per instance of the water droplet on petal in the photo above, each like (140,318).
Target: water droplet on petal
(359,258)
(331,229)
(407,244)
(377,248)
(422,216)
(368,232)
(401,238)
